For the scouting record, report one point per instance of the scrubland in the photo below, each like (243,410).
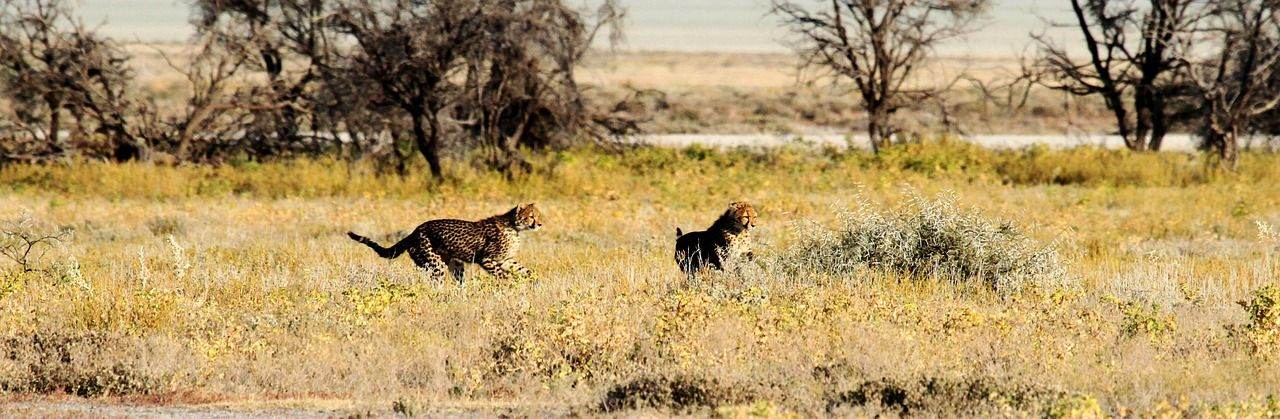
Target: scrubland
(934,279)
(727,93)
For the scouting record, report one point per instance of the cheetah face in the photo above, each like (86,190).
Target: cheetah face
(744,214)
(528,217)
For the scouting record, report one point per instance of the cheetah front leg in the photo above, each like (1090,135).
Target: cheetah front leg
(516,268)
(505,269)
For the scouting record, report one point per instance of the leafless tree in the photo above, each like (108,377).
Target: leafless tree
(24,243)
(878,45)
(1235,66)
(212,116)
(413,53)
(521,89)
(1132,61)
(288,42)
(503,70)
(51,67)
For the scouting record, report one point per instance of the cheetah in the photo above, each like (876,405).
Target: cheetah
(447,244)
(725,240)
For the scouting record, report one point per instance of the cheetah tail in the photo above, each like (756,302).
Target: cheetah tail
(678,232)
(386,252)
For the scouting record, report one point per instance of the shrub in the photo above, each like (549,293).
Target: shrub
(166,226)
(24,243)
(671,393)
(1145,319)
(1261,336)
(85,365)
(941,157)
(929,239)
(978,396)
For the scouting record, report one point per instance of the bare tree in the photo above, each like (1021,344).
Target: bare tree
(1238,77)
(211,118)
(878,45)
(289,43)
(503,70)
(51,66)
(24,243)
(521,89)
(1132,62)
(372,130)
(413,54)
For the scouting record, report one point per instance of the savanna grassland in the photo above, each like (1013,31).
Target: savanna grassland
(961,281)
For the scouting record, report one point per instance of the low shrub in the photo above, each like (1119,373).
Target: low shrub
(972,396)
(680,393)
(77,364)
(929,239)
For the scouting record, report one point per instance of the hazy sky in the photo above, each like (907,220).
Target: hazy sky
(679,25)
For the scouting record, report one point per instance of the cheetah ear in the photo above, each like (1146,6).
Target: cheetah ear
(678,232)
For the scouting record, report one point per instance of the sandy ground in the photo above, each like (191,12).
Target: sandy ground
(665,70)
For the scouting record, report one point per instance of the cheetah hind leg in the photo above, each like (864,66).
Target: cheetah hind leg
(430,262)
(457,268)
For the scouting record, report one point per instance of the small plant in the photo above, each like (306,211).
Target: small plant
(25,243)
(1268,234)
(403,407)
(1145,319)
(1261,335)
(166,226)
(930,238)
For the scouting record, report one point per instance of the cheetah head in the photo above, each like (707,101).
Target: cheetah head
(526,217)
(743,214)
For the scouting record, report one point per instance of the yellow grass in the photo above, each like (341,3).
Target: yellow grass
(237,285)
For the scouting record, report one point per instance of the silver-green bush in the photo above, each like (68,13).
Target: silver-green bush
(928,239)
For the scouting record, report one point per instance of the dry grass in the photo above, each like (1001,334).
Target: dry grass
(195,284)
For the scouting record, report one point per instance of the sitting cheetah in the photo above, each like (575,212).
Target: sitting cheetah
(725,240)
(438,245)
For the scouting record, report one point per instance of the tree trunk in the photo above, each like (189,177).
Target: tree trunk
(55,123)
(1229,149)
(1144,118)
(428,142)
(1116,103)
(878,129)
(402,159)
(1159,125)
(1222,140)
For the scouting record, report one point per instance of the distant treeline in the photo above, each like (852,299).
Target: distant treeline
(268,78)
(1210,65)
(390,80)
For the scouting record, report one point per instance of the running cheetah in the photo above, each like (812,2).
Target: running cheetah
(440,245)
